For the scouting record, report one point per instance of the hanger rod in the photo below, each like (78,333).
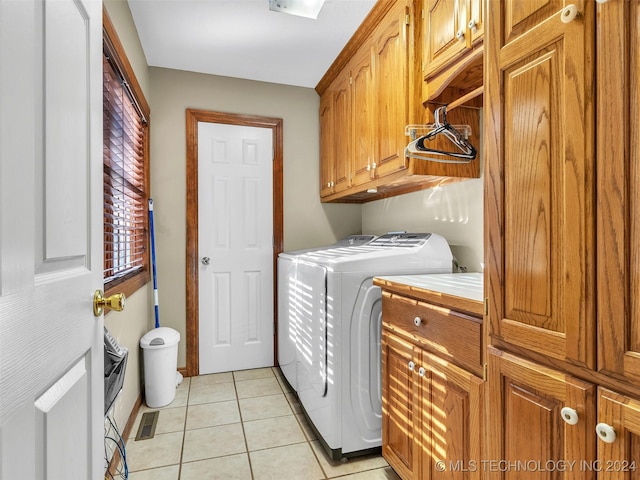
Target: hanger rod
(465,98)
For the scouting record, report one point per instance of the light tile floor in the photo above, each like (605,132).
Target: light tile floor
(244,425)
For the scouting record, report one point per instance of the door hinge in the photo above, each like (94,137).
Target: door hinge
(486,306)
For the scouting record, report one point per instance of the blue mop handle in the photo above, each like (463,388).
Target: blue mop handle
(153,263)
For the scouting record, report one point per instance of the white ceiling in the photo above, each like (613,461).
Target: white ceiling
(244,39)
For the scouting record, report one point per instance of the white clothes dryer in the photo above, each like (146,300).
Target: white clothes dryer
(288,305)
(338,353)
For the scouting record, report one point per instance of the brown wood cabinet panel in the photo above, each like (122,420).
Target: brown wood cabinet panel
(327,145)
(451,426)
(453,335)
(444,29)
(540,169)
(620,459)
(398,406)
(342,128)
(392,99)
(521,16)
(618,207)
(525,420)
(364,111)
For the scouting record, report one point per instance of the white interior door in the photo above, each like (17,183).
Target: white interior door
(51,345)
(235,242)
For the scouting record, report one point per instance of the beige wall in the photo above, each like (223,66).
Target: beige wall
(307,222)
(129,326)
(454,211)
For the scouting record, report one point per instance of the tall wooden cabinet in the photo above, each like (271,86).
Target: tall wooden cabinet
(617,189)
(562,146)
(540,179)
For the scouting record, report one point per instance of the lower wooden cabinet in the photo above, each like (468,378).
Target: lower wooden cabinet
(618,430)
(432,413)
(544,423)
(538,419)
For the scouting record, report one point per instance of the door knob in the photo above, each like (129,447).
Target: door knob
(114,302)
(206,260)
(606,433)
(569,415)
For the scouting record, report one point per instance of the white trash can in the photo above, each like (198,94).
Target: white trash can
(160,351)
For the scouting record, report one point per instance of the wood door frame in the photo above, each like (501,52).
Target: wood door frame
(192,271)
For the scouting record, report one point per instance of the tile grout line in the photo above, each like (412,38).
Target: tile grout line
(184,430)
(244,433)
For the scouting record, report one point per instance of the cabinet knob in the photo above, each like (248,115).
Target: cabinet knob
(421,371)
(606,433)
(368,167)
(374,165)
(569,13)
(472,24)
(569,415)
(417,321)
(412,366)
(460,34)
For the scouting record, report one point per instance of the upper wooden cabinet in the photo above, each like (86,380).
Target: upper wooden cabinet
(539,146)
(393,97)
(363,118)
(335,136)
(618,184)
(451,29)
(375,91)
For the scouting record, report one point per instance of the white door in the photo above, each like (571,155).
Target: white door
(235,242)
(51,344)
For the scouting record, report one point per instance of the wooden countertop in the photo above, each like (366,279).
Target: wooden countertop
(458,291)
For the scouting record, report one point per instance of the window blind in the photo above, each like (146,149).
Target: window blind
(125,196)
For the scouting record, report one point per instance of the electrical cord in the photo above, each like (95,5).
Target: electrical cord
(121,446)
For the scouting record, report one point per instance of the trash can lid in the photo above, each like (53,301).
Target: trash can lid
(160,337)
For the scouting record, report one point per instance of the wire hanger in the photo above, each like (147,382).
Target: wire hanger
(465,152)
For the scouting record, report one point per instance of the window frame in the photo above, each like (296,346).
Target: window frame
(130,283)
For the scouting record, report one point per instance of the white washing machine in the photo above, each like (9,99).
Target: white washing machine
(339,328)
(288,305)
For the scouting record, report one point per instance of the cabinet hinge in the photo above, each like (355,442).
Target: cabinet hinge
(484,372)
(407,19)
(486,306)
(350,80)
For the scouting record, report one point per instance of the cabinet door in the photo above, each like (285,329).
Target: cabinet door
(450,435)
(475,23)
(525,420)
(392,73)
(619,459)
(342,131)
(399,403)
(445,30)
(327,145)
(618,184)
(362,92)
(539,149)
